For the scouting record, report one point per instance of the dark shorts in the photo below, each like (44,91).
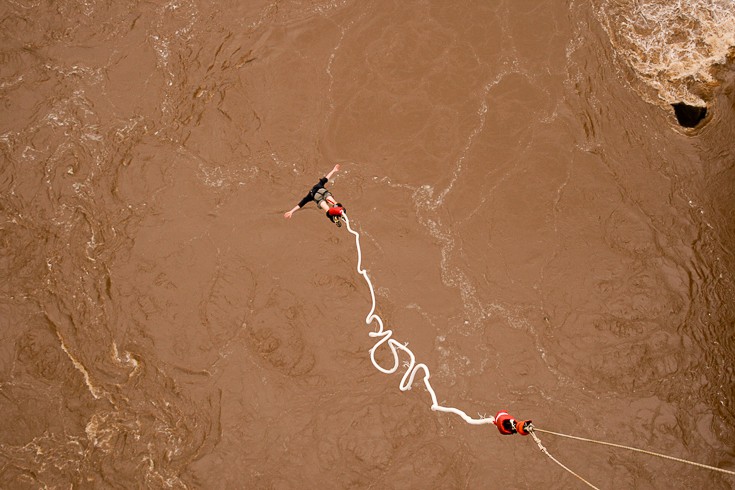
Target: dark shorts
(321,195)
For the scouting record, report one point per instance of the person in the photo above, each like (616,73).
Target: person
(323,199)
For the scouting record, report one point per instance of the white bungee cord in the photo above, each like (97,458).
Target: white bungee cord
(385,338)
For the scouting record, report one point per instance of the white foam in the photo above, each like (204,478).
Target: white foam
(80,367)
(671,44)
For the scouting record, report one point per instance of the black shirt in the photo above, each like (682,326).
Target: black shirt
(310,196)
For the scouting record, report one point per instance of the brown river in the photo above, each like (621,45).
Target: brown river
(545,195)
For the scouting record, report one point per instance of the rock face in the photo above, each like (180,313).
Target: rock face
(687,115)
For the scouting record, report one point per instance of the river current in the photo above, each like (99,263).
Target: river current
(545,193)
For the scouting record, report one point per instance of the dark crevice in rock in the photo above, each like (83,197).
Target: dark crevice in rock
(688,115)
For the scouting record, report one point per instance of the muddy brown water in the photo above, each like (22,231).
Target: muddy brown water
(537,225)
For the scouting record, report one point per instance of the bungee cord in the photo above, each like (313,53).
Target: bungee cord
(412,368)
(502,418)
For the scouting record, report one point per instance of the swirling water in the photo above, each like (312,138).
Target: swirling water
(536,223)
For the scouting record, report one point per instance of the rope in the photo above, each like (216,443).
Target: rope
(546,452)
(672,458)
(412,368)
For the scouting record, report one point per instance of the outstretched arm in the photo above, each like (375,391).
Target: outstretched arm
(333,171)
(288,214)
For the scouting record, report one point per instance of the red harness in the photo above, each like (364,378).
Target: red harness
(507,425)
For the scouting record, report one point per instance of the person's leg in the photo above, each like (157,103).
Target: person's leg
(320,197)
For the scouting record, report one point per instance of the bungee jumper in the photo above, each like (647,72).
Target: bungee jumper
(323,199)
